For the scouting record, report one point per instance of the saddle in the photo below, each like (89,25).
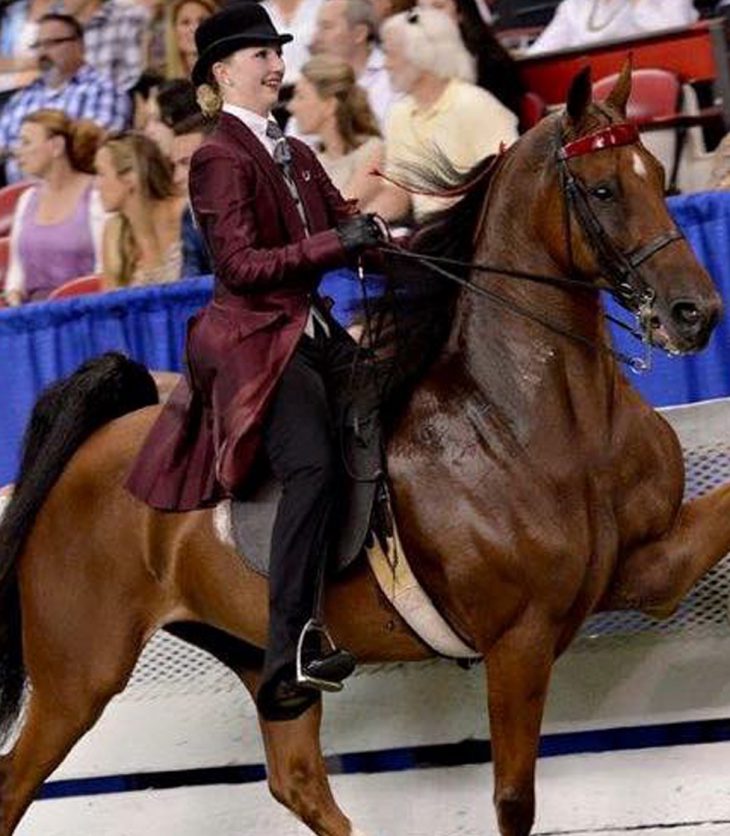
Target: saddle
(365,526)
(251,520)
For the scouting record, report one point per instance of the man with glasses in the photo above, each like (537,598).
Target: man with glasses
(66,82)
(116,36)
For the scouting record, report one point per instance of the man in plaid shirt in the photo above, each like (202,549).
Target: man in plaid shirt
(66,83)
(115,35)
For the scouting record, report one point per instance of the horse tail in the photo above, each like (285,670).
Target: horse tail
(64,416)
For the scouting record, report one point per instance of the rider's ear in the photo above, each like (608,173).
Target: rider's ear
(580,95)
(619,96)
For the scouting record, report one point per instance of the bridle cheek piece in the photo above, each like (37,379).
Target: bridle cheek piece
(621,268)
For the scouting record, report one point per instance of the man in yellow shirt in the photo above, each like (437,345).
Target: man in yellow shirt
(442,108)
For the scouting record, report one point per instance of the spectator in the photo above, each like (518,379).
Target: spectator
(154,60)
(496,70)
(298,18)
(182,18)
(144,98)
(173,100)
(578,23)
(57,226)
(189,135)
(442,111)
(116,34)
(18,29)
(66,83)
(329,104)
(347,30)
(142,243)
(383,9)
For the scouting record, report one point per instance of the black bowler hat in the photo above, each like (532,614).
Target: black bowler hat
(235,27)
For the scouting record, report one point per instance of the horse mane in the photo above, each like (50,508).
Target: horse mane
(415,314)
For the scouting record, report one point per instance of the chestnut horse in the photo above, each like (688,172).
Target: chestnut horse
(532,486)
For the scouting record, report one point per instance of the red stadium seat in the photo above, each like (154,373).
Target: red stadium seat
(659,98)
(532,109)
(655,94)
(78,287)
(656,97)
(4,258)
(8,200)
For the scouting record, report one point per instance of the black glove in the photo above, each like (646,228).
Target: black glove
(360,233)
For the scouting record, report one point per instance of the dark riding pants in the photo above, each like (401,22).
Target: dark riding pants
(300,440)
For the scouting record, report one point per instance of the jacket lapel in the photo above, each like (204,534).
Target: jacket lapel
(303,177)
(234,128)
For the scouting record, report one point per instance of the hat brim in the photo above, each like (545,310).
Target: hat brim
(227,46)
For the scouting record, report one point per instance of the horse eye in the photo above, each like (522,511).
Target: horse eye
(602,192)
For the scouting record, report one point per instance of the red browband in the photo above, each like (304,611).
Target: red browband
(613,136)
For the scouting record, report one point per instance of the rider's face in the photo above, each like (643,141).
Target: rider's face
(251,78)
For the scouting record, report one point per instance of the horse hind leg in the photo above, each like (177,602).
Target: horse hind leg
(65,702)
(296,770)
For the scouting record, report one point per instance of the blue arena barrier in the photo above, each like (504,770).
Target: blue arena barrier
(41,342)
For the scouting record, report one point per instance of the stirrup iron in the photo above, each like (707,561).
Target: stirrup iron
(303,678)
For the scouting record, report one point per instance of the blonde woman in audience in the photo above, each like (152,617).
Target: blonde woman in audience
(330,105)
(443,111)
(142,241)
(58,223)
(182,18)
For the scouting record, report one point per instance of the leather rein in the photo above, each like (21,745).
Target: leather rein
(626,284)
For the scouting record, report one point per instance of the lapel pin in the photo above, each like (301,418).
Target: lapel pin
(306,176)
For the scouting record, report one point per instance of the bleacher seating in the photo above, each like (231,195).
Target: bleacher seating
(8,200)
(4,258)
(78,287)
(669,67)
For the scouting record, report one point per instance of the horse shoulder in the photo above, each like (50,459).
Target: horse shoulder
(650,471)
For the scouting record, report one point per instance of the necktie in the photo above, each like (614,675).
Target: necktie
(282,151)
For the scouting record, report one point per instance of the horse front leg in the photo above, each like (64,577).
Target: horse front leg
(518,673)
(656,577)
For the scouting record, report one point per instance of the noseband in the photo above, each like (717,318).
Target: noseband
(627,283)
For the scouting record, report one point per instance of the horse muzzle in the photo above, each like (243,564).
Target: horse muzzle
(683,325)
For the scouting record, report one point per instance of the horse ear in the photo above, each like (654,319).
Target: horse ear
(580,95)
(619,96)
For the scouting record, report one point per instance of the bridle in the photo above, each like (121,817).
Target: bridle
(625,282)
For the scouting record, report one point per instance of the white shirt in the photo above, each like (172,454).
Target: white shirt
(582,22)
(375,81)
(302,26)
(257,125)
(255,122)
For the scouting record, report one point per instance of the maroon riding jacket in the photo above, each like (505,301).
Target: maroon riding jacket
(266,269)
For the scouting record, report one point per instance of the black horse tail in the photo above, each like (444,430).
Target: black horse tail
(64,416)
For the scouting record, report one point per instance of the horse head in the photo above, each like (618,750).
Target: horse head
(616,229)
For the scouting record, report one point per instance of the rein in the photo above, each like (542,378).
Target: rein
(627,285)
(636,364)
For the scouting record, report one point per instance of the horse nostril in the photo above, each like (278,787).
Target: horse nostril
(686,313)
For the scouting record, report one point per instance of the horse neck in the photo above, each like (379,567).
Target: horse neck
(522,366)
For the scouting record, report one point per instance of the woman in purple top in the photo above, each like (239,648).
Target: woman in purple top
(58,223)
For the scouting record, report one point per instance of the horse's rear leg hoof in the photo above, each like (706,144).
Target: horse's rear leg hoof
(515,813)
